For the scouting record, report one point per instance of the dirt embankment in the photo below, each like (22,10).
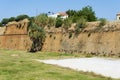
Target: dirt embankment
(93,39)
(15,36)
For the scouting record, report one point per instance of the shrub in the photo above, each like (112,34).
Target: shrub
(41,20)
(21,17)
(0,24)
(51,22)
(80,24)
(4,21)
(67,23)
(32,19)
(86,12)
(88,55)
(59,22)
(102,21)
(37,35)
(75,19)
(71,12)
(11,19)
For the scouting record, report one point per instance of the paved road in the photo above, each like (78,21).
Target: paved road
(107,67)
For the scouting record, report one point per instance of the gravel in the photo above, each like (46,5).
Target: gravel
(103,66)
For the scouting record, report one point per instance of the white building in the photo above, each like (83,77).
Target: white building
(118,16)
(61,14)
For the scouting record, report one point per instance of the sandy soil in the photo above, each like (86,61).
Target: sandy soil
(106,67)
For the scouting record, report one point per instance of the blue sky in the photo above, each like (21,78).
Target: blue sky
(103,8)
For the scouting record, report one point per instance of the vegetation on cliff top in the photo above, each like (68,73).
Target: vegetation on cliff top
(18,18)
(37,24)
(86,13)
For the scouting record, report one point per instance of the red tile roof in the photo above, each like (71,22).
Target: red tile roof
(118,14)
(63,14)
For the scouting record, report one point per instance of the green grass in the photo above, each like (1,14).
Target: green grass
(20,65)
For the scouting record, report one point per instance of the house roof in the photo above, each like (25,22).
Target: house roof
(118,14)
(63,13)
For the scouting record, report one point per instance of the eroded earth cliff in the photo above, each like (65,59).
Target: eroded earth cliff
(93,39)
(15,36)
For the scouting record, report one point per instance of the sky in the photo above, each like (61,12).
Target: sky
(103,8)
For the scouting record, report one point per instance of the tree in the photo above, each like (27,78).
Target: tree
(37,35)
(75,19)
(4,21)
(71,13)
(88,13)
(11,19)
(41,20)
(59,22)
(21,17)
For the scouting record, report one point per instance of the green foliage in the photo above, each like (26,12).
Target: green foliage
(11,19)
(35,31)
(18,18)
(41,20)
(59,22)
(75,19)
(4,21)
(37,35)
(86,13)
(0,24)
(102,21)
(67,23)
(51,22)
(71,13)
(32,19)
(21,17)
(80,25)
